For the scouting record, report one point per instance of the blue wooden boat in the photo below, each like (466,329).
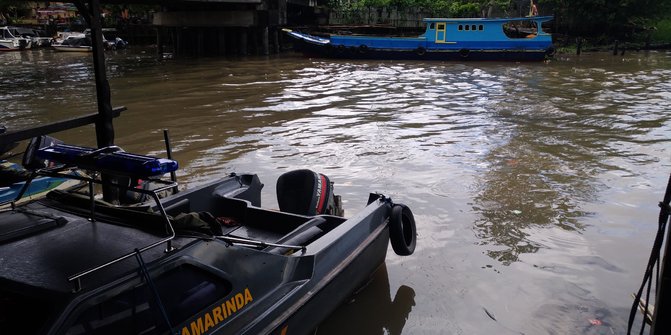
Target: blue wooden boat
(503,39)
(37,188)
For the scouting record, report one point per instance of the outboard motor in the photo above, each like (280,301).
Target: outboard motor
(306,192)
(30,161)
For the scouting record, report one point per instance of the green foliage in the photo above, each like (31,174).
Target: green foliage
(468,9)
(619,19)
(446,8)
(11,8)
(662,31)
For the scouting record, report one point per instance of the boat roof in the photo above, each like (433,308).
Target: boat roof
(479,19)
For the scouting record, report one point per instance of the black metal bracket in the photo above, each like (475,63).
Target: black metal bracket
(24,134)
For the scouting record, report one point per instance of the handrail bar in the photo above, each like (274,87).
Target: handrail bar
(59,172)
(154,194)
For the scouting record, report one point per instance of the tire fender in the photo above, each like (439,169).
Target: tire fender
(551,51)
(464,53)
(420,51)
(402,230)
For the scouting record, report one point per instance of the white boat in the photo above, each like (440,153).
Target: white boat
(64,35)
(37,37)
(9,42)
(81,42)
(74,43)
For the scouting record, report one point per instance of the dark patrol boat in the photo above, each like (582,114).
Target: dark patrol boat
(207,260)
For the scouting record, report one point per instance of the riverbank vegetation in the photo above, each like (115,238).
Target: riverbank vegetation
(597,21)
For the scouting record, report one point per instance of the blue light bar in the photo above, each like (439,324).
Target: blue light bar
(111,160)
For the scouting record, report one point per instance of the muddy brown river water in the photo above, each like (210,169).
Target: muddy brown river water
(534,185)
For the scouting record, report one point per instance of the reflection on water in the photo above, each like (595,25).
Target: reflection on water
(553,152)
(526,180)
(390,313)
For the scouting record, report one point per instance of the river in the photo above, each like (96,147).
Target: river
(534,185)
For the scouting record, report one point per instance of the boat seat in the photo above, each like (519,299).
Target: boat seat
(301,236)
(181,206)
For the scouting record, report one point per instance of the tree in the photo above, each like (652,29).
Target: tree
(616,18)
(7,7)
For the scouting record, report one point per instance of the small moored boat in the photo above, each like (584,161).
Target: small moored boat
(38,187)
(504,39)
(13,178)
(74,44)
(11,42)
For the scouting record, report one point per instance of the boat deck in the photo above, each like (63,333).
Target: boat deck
(40,247)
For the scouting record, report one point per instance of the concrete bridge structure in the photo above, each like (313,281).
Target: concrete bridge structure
(227,27)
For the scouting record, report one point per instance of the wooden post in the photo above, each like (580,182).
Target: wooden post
(104,126)
(617,43)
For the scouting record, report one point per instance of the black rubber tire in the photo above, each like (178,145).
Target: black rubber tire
(550,52)
(464,53)
(402,230)
(420,51)
(363,49)
(328,48)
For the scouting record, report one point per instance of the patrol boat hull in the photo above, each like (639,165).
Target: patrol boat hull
(223,265)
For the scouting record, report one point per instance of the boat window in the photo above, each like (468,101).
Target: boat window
(520,29)
(441,26)
(473,27)
(467,27)
(481,27)
(183,291)
(461,27)
(432,25)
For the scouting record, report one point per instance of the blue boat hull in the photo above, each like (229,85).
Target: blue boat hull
(468,39)
(329,51)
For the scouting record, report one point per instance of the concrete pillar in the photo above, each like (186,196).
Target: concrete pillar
(243,42)
(177,32)
(265,49)
(221,37)
(159,42)
(275,41)
(200,47)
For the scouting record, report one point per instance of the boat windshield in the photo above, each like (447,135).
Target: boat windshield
(6,34)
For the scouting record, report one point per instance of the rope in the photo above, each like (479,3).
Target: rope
(653,261)
(150,283)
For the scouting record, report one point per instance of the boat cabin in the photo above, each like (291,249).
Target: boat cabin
(443,30)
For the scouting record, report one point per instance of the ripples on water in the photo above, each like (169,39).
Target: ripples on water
(526,179)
